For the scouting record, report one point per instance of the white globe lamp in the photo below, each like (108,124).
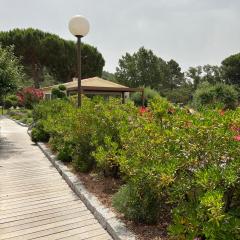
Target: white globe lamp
(79,27)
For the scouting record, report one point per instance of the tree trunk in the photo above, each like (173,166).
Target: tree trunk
(35,75)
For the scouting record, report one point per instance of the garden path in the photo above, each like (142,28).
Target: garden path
(35,202)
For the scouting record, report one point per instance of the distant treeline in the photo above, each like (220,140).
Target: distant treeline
(47,58)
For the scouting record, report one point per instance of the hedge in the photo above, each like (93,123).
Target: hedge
(167,158)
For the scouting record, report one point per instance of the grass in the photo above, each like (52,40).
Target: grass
(2,111)
(23,115)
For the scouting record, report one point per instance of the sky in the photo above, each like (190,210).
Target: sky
(192,32)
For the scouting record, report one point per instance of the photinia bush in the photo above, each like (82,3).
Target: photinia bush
(29,96)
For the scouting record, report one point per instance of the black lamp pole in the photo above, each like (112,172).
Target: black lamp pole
(79,73)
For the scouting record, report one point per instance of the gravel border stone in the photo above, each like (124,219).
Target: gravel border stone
(116,228)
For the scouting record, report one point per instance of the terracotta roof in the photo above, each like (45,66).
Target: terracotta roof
(88,82)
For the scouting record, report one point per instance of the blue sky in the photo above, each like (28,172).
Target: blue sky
(193,32)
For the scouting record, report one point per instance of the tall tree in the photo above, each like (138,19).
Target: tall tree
(11,71)
(176,77)
(212,74)
(231,69)
(142,68)
(207,73)
(39,50)
(194,73)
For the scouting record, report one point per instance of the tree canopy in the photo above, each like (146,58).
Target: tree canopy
(231,69)
(11,71)
(207,73)
(39,50)
(175,75)
(144,68)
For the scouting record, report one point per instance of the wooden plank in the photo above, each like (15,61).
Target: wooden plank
(96,233)
(36,196)
(33,228)
(22,204)
(49,229)
(33,179)
(22,213)
(38,219)
(32,192)
(38,206)
(69,231)
(45,213)
(31,183)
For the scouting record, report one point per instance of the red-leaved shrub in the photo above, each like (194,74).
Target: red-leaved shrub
(27,97)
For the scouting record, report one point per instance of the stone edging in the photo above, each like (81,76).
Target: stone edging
(105,216)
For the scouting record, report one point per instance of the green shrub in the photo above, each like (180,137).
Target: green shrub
(83,165)
(11,101)
(148,95)
(138,202)
(59,92)
(62,88)
(182,94)
(185,164)
(58,118)
(8,104)
(65,154)
(219,95)
(38,134)
(29,121)
(110,119)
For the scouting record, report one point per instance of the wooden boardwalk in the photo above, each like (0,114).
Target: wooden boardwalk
(35,202)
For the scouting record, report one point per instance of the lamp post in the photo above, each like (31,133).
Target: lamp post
(79,27)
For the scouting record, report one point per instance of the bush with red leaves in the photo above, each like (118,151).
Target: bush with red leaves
(29,96)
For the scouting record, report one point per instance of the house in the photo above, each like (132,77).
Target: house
(94,86)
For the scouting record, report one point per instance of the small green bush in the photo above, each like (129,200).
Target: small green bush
(62,88)
(11,101)
(65,154)
(138,202)
(59,92)
(38,134)
(219,95)
(148,95)
(8,104)
(181,94)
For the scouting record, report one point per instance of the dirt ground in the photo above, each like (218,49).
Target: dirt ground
(104,188)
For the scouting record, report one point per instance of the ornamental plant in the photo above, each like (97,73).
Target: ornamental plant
(29,96)
(173,162)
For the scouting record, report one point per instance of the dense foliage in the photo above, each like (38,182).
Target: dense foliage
(11,72)
(29,96)
(140,100)
(171,161)
(41,50)
(218,95)
(11,101)
(207,73)
(231,69)
(144,68)
(59,92)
